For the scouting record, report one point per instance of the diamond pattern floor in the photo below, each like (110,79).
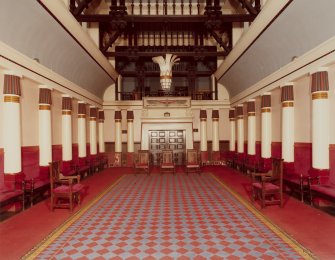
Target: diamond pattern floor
(167,217)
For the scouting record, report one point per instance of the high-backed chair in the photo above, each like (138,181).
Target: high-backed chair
(192,161)
(167,162)
(268,187)
(64,191)
(142,162)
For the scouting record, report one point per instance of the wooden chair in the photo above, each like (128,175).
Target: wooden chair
(142,162)
(192,161)
(64,192)
(167,162)
(268,187)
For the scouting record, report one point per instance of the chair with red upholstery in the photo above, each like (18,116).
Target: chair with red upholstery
(142,163)
(192,161)
(322,187)
(167,162)
(64,191)
(268,187)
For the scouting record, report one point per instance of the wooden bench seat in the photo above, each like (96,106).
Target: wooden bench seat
(322,187)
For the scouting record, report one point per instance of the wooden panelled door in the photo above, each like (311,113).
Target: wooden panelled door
(167,139)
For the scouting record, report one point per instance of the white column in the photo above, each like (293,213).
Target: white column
(251,127)
(67,127)
(12,124)
(130,132)
(118,132)
(240,129)
(215,141)
(44,126)
(266,120)
(232,138)
(81,129)
(101,132)
(287,123)
(203,134)
(320,120)
(93,130)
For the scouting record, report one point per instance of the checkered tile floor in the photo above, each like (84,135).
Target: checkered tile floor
(169,217)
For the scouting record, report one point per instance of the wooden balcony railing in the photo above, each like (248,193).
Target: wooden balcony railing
(199,95)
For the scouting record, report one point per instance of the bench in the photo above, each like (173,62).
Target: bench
(322,187)
(10,195)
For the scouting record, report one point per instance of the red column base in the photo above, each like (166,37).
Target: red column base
(215,155)
(204,156)
(130,159)
(14,181)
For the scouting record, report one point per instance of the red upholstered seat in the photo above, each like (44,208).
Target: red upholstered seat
(64,192)
(192,161)
(268,187)
(66,188)
(142,162)
(167,162)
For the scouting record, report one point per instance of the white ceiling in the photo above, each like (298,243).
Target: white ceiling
(303,25)
(26,26)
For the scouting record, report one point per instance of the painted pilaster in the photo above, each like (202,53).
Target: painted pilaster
(232,140)
(82,129)
(251,127)
(12,124)
(66,128)
(240,129)
(130,138)
(93,130)
(215,136)
(101,117)
(320,121)
(203,135)
(44,126)
(266,118)
(287,99)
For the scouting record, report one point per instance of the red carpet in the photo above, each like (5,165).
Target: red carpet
(310,227)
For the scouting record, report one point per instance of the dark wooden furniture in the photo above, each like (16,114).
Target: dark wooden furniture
(268,187)
(142,162)
(167,162)
(192,161)
(64,191)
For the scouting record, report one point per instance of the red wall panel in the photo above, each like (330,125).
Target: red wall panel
(302,158)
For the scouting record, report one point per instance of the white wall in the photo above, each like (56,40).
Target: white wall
(276,108)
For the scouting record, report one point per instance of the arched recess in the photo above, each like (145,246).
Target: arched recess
(109,94)
(223,93)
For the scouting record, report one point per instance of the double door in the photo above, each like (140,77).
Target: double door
(167,139)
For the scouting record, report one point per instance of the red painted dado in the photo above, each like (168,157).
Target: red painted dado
(1,161)
(258,149)
(216,156)
(302,158)
(288,168)
(276,149)
(57,152)
(204,156)
(12,181)
(130,159)
(332,162)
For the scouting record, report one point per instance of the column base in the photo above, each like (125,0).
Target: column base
(215,156)
(130,159)
(204,156)
(14,180)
